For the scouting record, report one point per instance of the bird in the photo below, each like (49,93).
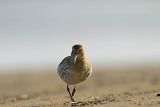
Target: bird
(74,69)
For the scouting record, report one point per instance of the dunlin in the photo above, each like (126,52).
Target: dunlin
(75,68)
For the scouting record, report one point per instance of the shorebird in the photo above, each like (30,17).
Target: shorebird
(74,68)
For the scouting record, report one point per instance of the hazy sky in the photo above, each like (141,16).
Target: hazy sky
(41,32)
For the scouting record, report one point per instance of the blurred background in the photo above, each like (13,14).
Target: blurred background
(118,35)
(39,33)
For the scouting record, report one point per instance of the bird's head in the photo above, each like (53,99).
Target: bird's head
(77,52)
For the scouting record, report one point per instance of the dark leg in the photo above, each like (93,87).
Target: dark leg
(74,90)
(69,93)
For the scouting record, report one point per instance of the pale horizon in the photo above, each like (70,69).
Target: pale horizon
(37,33)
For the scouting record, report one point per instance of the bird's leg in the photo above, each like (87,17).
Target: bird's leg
(74,90)
(69,93)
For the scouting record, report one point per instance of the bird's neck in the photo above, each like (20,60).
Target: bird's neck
(79,64)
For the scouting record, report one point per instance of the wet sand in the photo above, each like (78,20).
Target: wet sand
(105,88)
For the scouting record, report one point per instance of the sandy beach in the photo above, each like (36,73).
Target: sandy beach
(105,88)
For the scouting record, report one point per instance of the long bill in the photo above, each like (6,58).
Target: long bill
(75,58)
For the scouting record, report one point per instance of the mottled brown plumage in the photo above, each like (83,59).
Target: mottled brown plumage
(75,68)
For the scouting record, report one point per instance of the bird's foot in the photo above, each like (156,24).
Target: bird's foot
(72,100)
(74,103)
